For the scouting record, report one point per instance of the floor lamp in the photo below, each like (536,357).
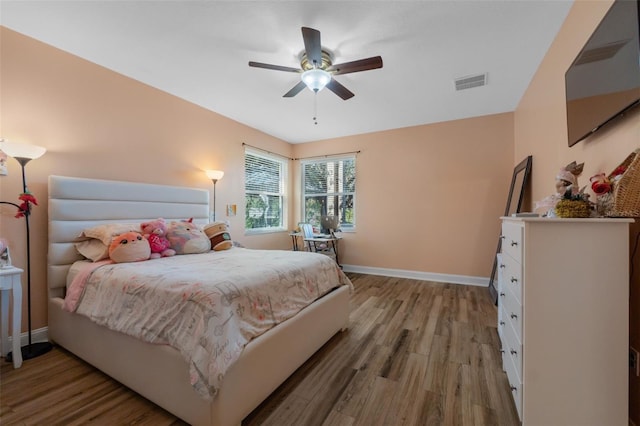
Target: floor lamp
(24,153)
(215,176)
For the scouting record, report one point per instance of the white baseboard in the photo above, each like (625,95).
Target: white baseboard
(418,275)
(39,335)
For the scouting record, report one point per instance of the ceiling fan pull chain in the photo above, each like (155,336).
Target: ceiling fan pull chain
(315,108)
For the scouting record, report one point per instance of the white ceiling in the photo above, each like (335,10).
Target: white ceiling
(199,50)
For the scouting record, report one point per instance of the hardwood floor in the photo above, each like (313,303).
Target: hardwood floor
(416,353)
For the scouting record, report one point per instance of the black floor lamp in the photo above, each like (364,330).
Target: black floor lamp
(24,153)
(215,176)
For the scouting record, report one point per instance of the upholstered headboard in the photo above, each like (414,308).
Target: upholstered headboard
(79,203)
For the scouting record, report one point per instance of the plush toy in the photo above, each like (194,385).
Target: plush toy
(567,178)
(156,231)
(187,238)
(218,235)
(129,247)
(566,186)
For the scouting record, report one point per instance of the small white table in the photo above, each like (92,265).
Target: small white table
(330,241)
(10,281)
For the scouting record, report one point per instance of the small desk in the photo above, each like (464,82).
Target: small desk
(10,281)
(321,238)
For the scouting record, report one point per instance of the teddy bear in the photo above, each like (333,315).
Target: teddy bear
(129,247)
(187,238)
(156,232)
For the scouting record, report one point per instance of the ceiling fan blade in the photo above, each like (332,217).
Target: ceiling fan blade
(339,89)
(312,45)
(295,90)
(356,66)
(274,67)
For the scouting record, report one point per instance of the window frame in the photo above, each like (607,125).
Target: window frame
(304,196)
(283,178)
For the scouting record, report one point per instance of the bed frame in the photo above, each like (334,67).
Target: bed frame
(158,372)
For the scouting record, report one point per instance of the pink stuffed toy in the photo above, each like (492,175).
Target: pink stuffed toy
(156,231)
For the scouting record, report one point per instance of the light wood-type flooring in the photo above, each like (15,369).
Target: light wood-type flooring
(416,353)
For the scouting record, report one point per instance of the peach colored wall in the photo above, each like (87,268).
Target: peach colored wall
(540,119)
(427,197)
(442,186)
(99,124)
(540,129)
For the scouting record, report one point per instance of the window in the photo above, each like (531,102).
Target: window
(329,188)
(265,182)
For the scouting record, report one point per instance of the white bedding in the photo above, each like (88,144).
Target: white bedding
(208,306)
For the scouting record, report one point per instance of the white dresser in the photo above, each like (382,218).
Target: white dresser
(563,303)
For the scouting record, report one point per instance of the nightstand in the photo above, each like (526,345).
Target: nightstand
(10,282)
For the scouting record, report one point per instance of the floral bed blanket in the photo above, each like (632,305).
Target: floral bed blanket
(208,306)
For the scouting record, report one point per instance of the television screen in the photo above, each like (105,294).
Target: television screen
(603,81)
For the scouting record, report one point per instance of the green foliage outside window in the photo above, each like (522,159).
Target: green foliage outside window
(265,177)
(329,189)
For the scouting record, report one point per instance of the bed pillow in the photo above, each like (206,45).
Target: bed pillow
(92,249)
(93,243)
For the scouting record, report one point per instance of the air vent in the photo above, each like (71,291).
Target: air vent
(600,53)
(470,81)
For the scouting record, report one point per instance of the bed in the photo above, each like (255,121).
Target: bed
(159,372)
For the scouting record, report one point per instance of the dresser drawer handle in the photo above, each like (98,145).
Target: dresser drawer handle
(501,351)
(501,322)
(502,265)
(514,316)
(501,294)
(513,352)
(513,388)
(514,280)
(514,243)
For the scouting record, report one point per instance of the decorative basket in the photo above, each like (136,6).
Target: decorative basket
(626,190)
(572,208)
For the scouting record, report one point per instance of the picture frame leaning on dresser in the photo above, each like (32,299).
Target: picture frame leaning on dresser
(519,182)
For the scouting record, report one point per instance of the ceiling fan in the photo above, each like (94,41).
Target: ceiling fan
(317,69)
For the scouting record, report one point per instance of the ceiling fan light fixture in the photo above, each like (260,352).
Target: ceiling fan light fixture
(316,79)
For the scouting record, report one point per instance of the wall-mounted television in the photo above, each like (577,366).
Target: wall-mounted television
(603,82)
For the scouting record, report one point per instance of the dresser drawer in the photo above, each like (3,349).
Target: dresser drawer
(512,240)
(514,381)
(511,311)
(500,285)
(512,276)
(502,323)
(499,269)
(512,347)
